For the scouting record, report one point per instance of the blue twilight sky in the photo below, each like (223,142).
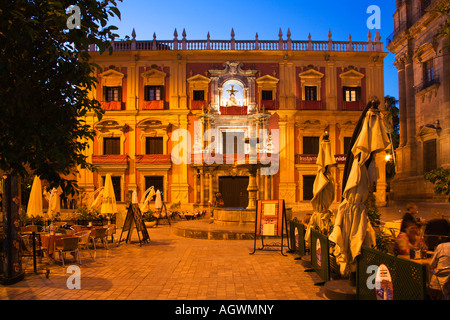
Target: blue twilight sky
(265,17)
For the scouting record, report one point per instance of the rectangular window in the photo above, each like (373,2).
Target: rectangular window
(112,94)
(111,146)
(157,182)
(154,145)
(352,94)
(429,155)
(347,141)
(310,93)
(266,95)
(308,185)
(198,95)
(428,71)
(152,93)
(310,145)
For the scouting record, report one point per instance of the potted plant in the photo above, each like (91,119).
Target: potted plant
(149,219)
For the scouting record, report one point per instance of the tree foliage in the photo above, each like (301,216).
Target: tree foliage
(443,9)
(440,177)
(44,76)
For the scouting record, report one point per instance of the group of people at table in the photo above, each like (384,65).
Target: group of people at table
(410,244)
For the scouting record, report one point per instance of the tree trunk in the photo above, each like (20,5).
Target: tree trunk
(11,270)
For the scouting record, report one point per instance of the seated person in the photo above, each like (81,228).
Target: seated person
(409,239)
(410,215)
(440,261)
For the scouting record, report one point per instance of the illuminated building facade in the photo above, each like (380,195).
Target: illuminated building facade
(225,93)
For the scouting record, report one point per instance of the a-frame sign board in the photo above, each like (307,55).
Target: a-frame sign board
(270,221)
(134,215)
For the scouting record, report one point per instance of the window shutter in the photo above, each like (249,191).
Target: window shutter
(105,93)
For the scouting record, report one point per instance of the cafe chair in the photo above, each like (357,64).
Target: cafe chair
(84,241)
(69,244)
(100,234)
(111,231)
(445,287)
(26,243)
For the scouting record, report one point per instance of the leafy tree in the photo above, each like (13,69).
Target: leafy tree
(44,76)
(440,177)
(443,9)
(392,118)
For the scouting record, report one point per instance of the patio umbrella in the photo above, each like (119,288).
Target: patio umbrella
(54,204)
(323,191)
(34,207)
(97,203)
(134,198)
(109,197)
(158,201)
(352,228)
(146,198)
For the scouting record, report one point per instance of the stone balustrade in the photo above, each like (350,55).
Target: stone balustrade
(247,45)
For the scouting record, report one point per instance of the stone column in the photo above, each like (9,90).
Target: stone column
(202,190)
(210,197)
(195,186)
(402,101)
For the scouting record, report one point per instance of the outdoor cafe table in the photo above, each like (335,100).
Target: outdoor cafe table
(48,241)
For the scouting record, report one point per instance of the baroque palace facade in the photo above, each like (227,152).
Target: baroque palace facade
(284,93)
(423,66)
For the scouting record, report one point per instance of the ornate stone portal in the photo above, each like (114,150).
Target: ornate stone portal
(228,144)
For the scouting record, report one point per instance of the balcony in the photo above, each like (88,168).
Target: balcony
(352,105)
(268,104)
(310,105)
(427,84)
(153,159)
(198,104)
(233,111)
(153,105)
(114,159)
(112,105)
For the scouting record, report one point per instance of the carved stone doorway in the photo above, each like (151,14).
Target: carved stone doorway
(234,191)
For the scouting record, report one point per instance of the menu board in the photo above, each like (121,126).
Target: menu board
(269,217)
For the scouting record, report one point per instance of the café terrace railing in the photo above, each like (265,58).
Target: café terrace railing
(247,45)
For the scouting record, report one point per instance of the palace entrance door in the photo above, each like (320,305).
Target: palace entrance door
(234,191)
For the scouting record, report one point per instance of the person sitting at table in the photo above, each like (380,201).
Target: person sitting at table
(410,215)
(409,239)
(440,261)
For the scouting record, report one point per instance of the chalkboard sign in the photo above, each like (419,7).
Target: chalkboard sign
(134,214)
(270,216)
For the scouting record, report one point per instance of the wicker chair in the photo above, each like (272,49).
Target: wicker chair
(69,244)
(84,241)
(100,234)
(111,231)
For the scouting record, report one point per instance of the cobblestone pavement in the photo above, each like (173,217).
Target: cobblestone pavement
(174,268)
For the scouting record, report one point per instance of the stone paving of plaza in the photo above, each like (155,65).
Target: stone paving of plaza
(175,268)
(172,267)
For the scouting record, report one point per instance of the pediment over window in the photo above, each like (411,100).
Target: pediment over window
(311,74)
(351,78)
(429,131)
(154,77)
(151,124)
(267,80)
(110,125)
(198,78)
(425,52)
(112,78)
